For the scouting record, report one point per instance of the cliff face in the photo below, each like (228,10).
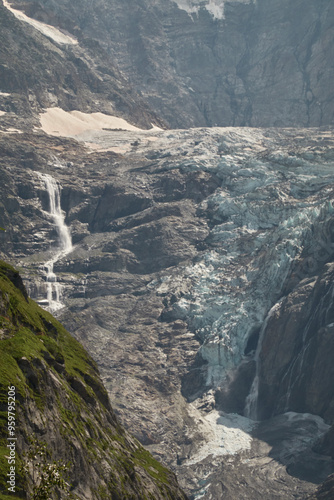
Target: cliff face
(40,69)
(296,369)
(263,63)
(325,491)
(60,400)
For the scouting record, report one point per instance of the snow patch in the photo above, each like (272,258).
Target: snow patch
(190,6)
(11,130)
(214,7)
(57,122)
(47,30)
(226,434)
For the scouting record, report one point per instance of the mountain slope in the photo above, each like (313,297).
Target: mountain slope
(37,72)
(61,400)
(200,268)
(228,63)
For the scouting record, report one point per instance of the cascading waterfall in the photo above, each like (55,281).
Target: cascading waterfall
(53,288)
(251,404)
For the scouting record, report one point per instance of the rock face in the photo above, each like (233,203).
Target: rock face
(38,72)
(241,63)
(325,491)
(296,369)
(61,400)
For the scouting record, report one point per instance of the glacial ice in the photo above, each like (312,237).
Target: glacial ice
(214,7)
(262,219)
(226,434)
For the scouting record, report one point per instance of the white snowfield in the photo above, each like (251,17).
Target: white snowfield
(100,132)
(47,30)
(56,121)
(214,7)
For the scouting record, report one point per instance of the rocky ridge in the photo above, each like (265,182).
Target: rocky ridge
(61,401)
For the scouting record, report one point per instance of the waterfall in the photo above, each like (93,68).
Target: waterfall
(251,404)
(53,288)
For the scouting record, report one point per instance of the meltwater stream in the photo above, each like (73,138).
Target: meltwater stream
(53,288)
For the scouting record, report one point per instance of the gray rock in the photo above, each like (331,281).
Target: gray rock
(263,63)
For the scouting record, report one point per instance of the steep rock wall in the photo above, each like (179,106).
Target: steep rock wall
(61,401)
(296,368)
(263,63)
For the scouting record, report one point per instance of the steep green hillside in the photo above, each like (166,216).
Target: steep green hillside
(60,399)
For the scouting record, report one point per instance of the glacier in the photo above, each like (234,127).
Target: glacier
(243,213)
(263,218)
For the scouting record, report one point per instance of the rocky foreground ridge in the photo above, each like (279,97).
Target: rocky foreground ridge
(61,401)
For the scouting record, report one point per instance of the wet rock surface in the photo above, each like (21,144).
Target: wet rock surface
(299,339)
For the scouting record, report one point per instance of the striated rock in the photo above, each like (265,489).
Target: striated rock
(296,369)
(229,63)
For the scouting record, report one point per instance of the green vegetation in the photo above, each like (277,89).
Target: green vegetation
(34,349)
(31,332)
(153,467)
(44,475)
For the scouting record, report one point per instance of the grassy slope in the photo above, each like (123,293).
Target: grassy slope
(27,331)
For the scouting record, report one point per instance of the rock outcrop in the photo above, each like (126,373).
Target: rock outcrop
(296,368)
(60,400)
(325,491)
